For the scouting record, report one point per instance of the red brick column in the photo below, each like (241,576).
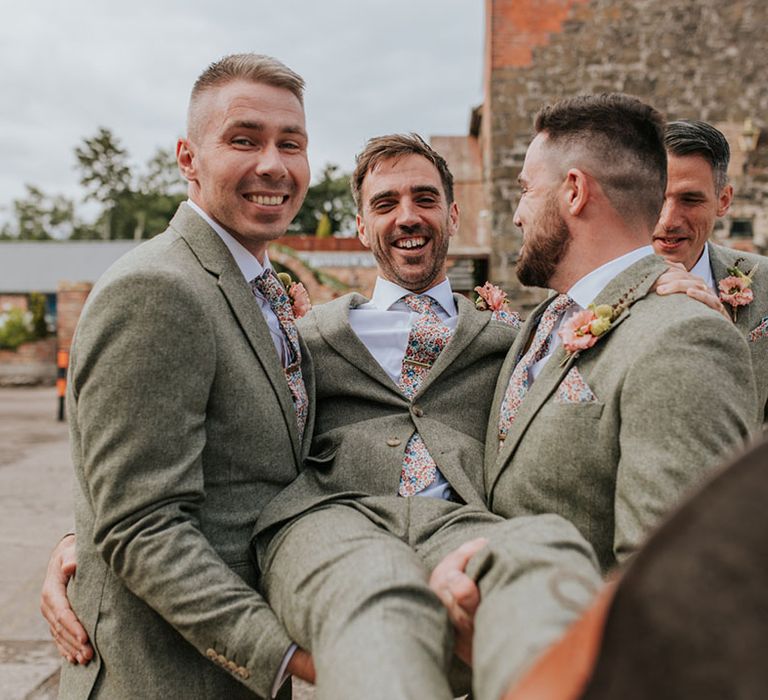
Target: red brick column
(70,298)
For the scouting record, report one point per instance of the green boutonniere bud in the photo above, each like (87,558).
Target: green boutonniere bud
(603,311)
(600,325)
(285,279)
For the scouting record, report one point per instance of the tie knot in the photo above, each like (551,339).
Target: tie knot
(268,284)
(420,303)
(560,304)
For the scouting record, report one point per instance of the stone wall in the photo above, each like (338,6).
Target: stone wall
(705,59)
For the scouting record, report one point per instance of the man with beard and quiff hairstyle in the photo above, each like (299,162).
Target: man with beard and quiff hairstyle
(698,193)
(610,409)
(394,479)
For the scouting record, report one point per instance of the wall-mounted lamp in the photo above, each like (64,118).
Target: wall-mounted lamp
(749,137)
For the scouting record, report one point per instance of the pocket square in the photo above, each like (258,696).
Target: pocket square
(573,389)
(511,318)
(759,331)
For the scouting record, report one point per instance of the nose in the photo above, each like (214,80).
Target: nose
(270,163)
(516,217)
(407,214)
(669,219)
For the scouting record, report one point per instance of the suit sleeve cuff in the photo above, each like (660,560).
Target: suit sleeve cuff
(282,676)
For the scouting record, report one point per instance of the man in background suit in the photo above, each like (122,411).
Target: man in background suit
(612,421)
(348,547)
(698,193)
(187,406)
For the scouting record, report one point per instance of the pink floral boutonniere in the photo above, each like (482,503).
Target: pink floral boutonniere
(298,295)
(583,329)
(735,290)
(492,298)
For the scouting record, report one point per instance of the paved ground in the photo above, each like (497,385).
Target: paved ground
(35,510)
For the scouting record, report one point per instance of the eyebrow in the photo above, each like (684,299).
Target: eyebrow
(417,189)
(259,126)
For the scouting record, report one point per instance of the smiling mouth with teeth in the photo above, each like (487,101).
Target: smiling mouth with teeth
(410,243)
(266,200)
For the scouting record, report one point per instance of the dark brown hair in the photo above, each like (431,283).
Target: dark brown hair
(383,148)
(622,140)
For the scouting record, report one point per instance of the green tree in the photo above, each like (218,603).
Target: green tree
(134,205)
(38,323)
(330,197)
(39,217)
(106,177)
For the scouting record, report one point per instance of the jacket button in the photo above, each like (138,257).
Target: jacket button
(211,654)
(417,411)
(244,673)
(393,441)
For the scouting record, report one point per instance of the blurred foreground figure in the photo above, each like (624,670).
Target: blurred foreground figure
(689,618)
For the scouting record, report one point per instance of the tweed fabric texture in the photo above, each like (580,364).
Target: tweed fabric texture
(182,430)
(752,319)
(520,382)
(675,392)
(269,285)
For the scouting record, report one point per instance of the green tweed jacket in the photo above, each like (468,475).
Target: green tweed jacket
(751,320)
(182,430)
(613,437)
(364,421)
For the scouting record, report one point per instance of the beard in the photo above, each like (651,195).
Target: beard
(544,247)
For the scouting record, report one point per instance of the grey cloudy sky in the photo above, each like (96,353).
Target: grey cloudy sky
(371,67)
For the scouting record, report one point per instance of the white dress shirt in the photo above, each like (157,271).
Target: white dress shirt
(251,268)
(585,291)
(703,268)
(383,325)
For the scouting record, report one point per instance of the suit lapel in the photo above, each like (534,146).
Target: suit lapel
(470,323)
(634,283)
(720,259)
(513,357)
(214,257)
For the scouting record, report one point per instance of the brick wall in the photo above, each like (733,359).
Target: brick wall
(705,59)
(70,299)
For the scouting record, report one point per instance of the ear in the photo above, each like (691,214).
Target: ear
(185,157)
(724,200)
(361,230)
(576,187)
(453,219)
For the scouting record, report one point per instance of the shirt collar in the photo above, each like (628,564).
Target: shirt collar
(703,268)
(246,261)
(387,293)
(589,286)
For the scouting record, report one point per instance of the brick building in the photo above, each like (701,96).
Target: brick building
(703,59)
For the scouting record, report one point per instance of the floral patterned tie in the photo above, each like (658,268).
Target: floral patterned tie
(428,336)
(274,292)
(520,381)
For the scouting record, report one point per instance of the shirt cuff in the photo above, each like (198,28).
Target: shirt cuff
(282,676)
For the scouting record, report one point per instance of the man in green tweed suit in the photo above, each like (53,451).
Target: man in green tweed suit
(613,402)
(183,425)
(698,193)
(620,421)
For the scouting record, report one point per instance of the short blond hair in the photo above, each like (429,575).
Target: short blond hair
(253,67)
